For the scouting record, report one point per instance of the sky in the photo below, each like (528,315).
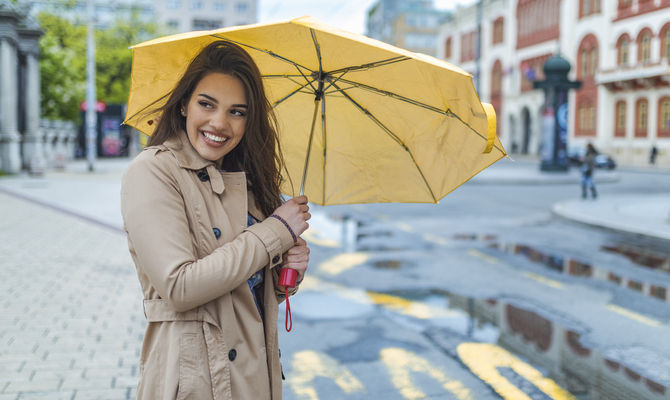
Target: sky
(344,14)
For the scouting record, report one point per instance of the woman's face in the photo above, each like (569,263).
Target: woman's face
(216,115)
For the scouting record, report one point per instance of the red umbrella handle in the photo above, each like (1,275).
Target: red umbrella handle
(287,279)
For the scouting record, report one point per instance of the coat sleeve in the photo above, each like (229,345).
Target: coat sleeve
(155,219)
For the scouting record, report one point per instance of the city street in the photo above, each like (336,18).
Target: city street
(489,294)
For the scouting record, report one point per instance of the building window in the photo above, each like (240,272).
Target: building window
(173,4)
(173,24)
(644,54)
(624,45)
(498,31)
(584,63)
(447,48)
(589,7)
(219,6)
(620,125)
(641,118)
(664,117)
(587,117)
(666,44)
(206,24)
(241,8)
(196,5)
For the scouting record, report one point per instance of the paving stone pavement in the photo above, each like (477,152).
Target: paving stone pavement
(71,321)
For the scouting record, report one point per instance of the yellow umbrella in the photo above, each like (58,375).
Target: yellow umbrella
(360,121)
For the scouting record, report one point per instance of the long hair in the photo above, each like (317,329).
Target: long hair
(257,153)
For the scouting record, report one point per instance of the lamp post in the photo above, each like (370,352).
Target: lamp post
(91,113)
(555,113)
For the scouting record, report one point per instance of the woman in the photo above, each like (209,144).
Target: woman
(588,165)
(195,204)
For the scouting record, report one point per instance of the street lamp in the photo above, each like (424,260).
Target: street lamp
(555,113)
(91,113)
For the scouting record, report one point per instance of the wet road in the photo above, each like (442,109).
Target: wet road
(484,296)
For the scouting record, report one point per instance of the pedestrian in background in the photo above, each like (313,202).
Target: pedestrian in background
(588,165)
(207,231)
(652,154)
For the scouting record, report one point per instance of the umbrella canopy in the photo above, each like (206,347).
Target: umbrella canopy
(360,121)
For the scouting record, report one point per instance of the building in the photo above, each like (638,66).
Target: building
(618,49)
(174,15)
(194,15)
(409,24)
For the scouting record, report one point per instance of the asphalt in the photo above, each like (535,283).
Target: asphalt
(95,195)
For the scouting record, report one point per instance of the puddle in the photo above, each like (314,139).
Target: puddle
(589,374)
(641,256)
(570,266)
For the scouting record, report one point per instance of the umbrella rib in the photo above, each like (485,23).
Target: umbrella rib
(396,96)
(268,52)
(276,103)
(392,135)
(371,65)
(147,106)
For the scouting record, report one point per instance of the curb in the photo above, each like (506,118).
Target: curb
(618,222)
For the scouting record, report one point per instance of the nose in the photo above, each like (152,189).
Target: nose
(219,121)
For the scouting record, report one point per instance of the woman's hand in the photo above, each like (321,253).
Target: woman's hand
(296,213)
(297,258)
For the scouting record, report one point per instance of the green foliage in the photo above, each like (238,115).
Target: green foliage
(63,63)
(62,67)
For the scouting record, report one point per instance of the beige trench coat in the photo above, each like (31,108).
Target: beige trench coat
(205,338)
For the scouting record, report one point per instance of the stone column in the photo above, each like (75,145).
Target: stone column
(33,153)
(10,157)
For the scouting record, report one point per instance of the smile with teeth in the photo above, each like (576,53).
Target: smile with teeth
(219,139)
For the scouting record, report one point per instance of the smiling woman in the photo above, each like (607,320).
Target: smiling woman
(207,230)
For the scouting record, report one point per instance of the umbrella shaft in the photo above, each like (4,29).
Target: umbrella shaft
(309,146)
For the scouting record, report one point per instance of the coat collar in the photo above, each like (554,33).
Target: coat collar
(188,158)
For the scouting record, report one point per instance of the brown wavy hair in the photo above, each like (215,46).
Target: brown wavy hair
(258,153)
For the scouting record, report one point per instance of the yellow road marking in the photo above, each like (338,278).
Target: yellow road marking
(307,365)
(429,237)
(633,315)
(483,256)
(401,362)
(312,236)
(343,262)
(544,280)
(484,359)
(412,308)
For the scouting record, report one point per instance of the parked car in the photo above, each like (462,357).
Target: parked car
(604,161)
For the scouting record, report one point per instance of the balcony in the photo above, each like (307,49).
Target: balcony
(639,76)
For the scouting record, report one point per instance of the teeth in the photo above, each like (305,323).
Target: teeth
(219,139)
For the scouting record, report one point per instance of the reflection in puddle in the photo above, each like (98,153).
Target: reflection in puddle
(574,267)
(586,372)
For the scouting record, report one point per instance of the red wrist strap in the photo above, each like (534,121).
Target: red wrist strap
(289,320)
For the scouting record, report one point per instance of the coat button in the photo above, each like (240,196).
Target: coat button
(203,175)
(217,232)
(275,259)
(232,355)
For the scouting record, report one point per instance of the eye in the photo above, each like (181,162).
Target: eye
(239,112)
(205,104)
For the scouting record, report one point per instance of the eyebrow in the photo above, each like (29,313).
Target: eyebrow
(217,102)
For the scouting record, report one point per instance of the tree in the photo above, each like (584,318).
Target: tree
(62,67)
(63,62)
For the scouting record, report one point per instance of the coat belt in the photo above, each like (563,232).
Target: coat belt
(158,310)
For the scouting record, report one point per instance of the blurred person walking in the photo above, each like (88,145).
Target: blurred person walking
(587,169)
(207,230)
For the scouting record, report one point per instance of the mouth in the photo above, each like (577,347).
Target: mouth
(213,138)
